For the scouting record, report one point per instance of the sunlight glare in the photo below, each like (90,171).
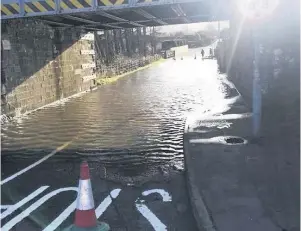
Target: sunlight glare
(257,9)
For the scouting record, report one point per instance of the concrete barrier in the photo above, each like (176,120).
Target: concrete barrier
(168,54)
(176,52)
(180,51)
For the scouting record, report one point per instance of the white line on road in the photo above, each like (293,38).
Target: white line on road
(16,206)
(99,211)
(148,214)
(4,206)
(165,195)
(63,216)
(151,217)
(36,163)
(106,202)
(33,207)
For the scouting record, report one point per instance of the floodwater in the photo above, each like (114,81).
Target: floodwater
(135,124)
(131,133)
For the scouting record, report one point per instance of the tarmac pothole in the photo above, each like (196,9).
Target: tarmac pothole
(235,140)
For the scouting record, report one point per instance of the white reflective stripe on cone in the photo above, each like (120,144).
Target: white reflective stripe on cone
(85,199)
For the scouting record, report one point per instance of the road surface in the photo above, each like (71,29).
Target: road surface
(131,134)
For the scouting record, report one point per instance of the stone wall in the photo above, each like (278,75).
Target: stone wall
(123,50)
(41,64)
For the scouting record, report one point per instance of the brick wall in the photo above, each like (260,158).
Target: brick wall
(41,64)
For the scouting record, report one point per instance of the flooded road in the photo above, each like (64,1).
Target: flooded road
(136,122)
(131,134)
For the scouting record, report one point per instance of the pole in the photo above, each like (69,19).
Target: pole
(219,30)
(256,86)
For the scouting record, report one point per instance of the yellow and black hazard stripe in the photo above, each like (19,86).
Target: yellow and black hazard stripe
(39,6)
(112,2)
(146,1)
(75,4)
(10,9)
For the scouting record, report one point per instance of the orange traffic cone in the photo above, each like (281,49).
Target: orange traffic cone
(85,217)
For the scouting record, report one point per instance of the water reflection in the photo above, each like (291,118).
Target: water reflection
(136,121)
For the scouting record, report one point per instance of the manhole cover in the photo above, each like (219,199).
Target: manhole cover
(235,140)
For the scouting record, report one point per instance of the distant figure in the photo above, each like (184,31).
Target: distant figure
(181,58)
(203,53)
(210,51)
(195,56)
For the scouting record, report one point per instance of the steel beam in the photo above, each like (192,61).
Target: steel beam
(110,16)
(112,26)
(118,19)
(91,22)
(180,13)
(115,24)
(149,16)
(57,23)
(76,18)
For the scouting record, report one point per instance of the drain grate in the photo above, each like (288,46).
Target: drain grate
(234,140)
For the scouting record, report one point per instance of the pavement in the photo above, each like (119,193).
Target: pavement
(252,185)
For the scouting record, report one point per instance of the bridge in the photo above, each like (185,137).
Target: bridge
(115,14)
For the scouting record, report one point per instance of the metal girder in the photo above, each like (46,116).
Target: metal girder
(188,18)
(149,16)
(56,23)
(179,11)
(136,24)
(112,26)
(118,19)
(76,18)
(173,18)
(107,15)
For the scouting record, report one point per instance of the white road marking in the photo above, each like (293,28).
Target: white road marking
(151,217)
(99,211)
(63,216)
(165,195)
(148,214)
(106,202)
(115,193)
(4,207)
(35,164)
(14,207)
(33,207)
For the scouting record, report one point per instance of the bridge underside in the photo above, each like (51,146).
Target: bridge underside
(95,14)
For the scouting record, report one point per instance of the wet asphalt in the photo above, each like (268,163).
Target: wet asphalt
(131,134)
